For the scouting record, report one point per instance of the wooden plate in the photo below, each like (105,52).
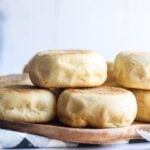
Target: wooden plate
(78,135)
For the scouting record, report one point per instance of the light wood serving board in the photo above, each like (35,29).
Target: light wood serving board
(78,135)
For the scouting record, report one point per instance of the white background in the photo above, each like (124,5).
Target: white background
(106,26)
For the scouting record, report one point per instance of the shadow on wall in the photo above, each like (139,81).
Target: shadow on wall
(2,18)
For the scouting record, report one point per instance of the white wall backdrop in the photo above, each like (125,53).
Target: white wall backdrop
(106,26)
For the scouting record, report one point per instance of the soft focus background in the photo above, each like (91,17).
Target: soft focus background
(106,26)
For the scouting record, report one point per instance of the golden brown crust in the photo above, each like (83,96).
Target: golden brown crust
(21,89)
(15,79)
(99,90)
(66,52)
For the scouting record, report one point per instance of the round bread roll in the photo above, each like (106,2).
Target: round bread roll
(132,69)
(70,68)
(15,79)
(110,72)
(103,107)
(27,104)
(56,91)
(26,69)
(143,105)
(111,81)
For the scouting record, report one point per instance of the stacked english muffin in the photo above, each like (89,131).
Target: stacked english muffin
(80,89)
(132,71)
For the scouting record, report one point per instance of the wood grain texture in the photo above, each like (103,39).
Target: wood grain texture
(78,135)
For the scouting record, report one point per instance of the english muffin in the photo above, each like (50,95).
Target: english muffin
(104,107)
(67,68)
(111,80)
(143,104)
(27,104)
(132,69)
